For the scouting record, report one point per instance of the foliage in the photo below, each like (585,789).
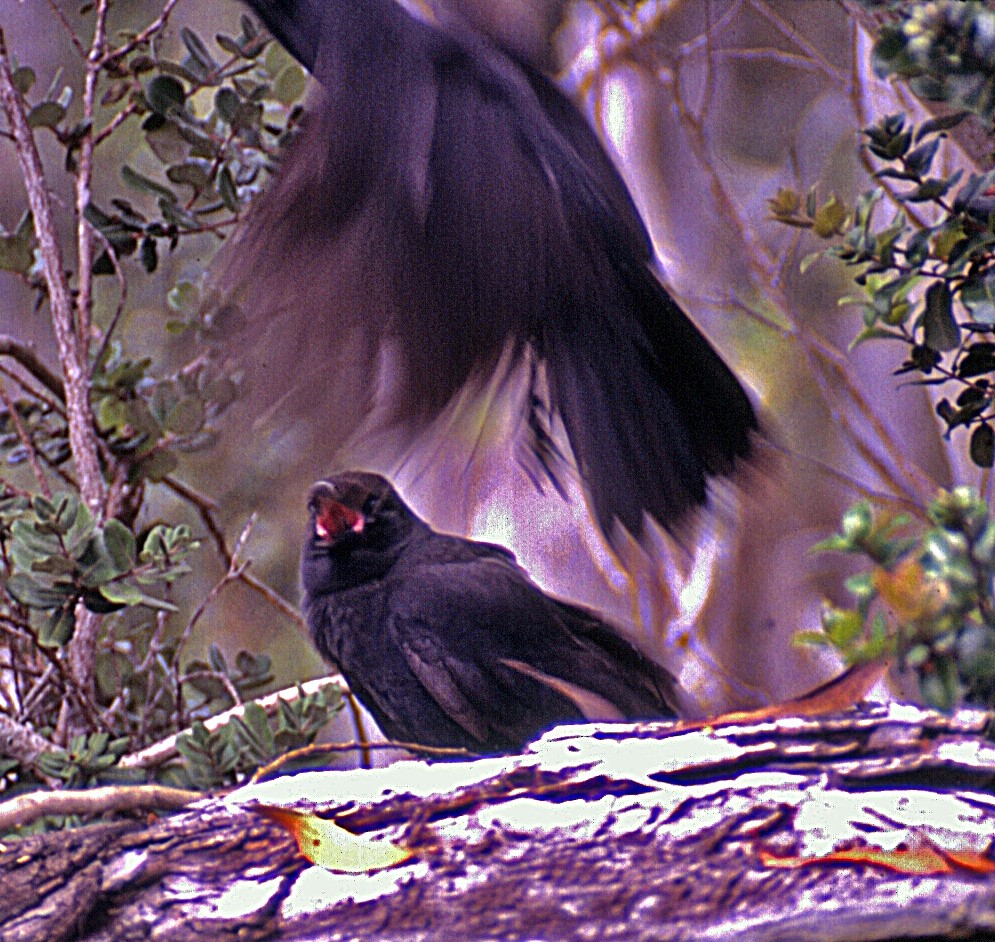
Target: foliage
(204,129)
(926,598)
(220,757)
(927,280)
(945,50)
(929,286)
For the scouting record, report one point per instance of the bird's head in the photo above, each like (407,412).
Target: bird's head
(358,524)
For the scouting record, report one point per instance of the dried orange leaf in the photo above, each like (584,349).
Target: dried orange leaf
(922,860)
(840,693)
(327,845)
(970,860)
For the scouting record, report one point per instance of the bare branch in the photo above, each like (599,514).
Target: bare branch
(25,809)
(84,173)
(205,508)
(82,438)
(322,748)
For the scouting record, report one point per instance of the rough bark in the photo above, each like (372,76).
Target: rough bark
(622,832)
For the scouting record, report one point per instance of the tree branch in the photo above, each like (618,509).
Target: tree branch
(26,809)
(25,745)
(30,361)
(82,438)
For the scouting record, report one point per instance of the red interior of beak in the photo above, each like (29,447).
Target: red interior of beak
(334,519)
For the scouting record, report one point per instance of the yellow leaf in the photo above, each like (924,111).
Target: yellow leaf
(327,845)
(924,860)
(907,592)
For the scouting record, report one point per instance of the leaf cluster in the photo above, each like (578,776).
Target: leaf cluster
(246,742)
(53,556)
(927,597)
(945,51)
(930,285)
(210,125)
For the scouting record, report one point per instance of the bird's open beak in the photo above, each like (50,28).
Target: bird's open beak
(333,519)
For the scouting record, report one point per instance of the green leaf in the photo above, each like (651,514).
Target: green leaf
(149,255)
(191,173)
(184,297)
(48,114)
(24,79)
(227,190)
(289,86)
(226,103)
(125,592)
(121,593)
(156,466)
(142,183)
(186,417)
(119,542)
(941,331)
(34,594)
(17,249)
(58,628)
(829,218)
(165,95)
(277,59)
(978,360)
(199,56)
(983,445)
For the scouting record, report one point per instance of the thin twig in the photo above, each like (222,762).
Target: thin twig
(126,112)
(27,358)
(74,38)
(235,570)
(205,508)
(26,441)
(357,722)
(143,37)
(70,685)
(84,174)
(317,749)
(122,300)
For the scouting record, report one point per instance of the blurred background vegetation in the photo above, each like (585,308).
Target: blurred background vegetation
(738,126)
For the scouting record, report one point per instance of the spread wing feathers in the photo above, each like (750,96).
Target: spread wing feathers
(482,657)
(430,215)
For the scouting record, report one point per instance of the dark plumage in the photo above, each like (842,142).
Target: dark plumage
(447,213)
(447,641)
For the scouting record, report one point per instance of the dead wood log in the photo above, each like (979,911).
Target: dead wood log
(610,832)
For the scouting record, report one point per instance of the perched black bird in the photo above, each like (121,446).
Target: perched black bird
(447,223)
(446,641)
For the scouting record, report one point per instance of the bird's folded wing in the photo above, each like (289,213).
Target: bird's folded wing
(457,624)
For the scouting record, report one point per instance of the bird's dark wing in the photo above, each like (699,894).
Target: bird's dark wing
(505,661)
(445,204)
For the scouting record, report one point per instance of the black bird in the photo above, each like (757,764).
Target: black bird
(446,223)
(446,641)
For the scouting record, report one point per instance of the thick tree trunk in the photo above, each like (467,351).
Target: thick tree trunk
(621,832)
